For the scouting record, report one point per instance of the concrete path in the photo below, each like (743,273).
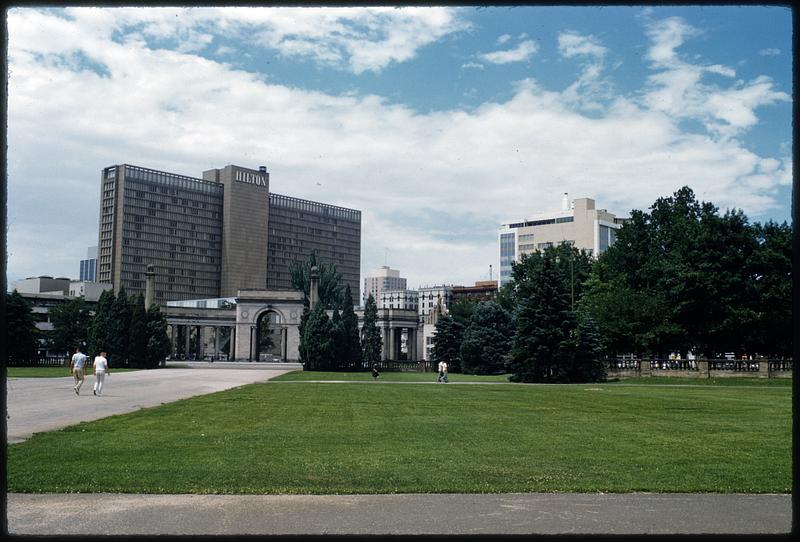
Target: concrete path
(421,514)
(45,404)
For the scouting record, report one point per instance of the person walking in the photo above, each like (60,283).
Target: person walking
(375,373)
(442,372)
(77,368)
(100,370)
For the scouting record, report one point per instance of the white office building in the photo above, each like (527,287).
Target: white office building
(380,280)
(578,222)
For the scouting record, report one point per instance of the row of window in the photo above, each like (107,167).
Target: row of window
(559,220)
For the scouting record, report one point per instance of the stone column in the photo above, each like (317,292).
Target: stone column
(702,367)
(392,346)
(384,344)
(187,343)
(150,286)
(644,367)
(412,344)
(763,368)
(201,338)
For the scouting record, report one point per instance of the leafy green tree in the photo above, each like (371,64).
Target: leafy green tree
(371,340)
(770,293)
(21,333)
(447,342)
(158,343)
(316,340)
(71,322)
(486,340)
(329,290)
(350,330)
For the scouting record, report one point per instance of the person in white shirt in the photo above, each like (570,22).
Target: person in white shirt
(77,369)
(100,370)
(442,372)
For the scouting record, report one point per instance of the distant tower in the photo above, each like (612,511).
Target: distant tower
(565,202)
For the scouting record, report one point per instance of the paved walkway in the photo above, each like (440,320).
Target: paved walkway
(45,404)
(426,514)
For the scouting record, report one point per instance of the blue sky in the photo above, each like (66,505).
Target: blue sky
(438,123)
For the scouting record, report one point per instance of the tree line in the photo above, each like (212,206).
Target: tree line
(119,325)
(681,277)
(334,343)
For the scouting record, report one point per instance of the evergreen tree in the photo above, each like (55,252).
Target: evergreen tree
(101,330)
(138,338)
(447,342)
(21,333)
(544,320)
(71,322)
(586,363)
(158,343)
(329,290)
(340,350)
(118,343)
(486,340)
(317,350)
(371,340)
(350,327)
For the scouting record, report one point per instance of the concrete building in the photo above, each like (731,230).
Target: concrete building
(41,285)
(431,296)
(399,299)
(382,279)
(211,237)
(578,222)
(298,227)
(88,267)
(90,291)
(484,290)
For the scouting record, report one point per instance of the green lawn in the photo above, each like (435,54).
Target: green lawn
(48,372)
(318,438)
(388,376)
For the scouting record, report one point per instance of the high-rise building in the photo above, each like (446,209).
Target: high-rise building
(578,222)
(298,227)
(382,279)
(206,238)
(88,267)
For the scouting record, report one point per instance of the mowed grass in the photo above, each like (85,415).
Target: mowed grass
(50,372)
(387,376)
(355,438)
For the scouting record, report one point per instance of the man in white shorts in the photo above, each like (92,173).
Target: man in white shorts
(100,370)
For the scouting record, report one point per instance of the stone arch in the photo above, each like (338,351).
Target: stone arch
(270,335)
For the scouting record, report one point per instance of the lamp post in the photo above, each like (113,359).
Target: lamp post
(572,283)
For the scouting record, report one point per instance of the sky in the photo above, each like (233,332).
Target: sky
(438,123)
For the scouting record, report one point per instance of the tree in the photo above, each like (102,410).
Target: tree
(71,322)
(138,333)
(371,340)
(316,340)
(447,342)
(541,343)
(117,346)
(350,330)
(21,333)
(586,363)
(340,347)
(770,293)
(486,340)
(158,344)
(101,330)
(329,289)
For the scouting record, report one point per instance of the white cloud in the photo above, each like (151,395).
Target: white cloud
(432,186)
(572,44)
(520,53)
(770,51)
(677,87)
(503,39)
(476,65)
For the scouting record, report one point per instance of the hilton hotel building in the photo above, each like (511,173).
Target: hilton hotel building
(209,237)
